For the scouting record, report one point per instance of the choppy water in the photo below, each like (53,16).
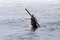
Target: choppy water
(14,21)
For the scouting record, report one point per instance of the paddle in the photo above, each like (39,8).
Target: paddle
(28,12)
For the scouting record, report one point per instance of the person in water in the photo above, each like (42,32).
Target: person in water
(34,22)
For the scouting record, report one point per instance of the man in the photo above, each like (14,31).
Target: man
(34,22)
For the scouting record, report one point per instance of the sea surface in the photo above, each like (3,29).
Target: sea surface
(15,21)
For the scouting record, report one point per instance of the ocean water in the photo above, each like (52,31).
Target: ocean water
(14,20)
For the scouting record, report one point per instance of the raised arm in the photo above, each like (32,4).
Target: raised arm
(28,12)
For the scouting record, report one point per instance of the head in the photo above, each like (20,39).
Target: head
(32,15)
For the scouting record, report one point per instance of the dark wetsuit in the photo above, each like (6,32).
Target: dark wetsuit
(33,23)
